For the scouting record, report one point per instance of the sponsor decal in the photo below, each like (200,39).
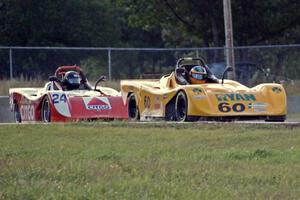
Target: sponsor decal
(258,106)
(235,97)
(199,97)
(165,96)
(97,103)
(157,102)
(197,90)
(276,89)
(27,112)
(147,102)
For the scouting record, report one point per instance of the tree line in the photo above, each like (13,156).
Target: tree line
(146,23)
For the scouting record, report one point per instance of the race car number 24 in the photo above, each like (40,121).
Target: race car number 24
(56,98)
(225,107)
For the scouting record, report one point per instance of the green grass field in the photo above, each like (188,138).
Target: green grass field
(121,160)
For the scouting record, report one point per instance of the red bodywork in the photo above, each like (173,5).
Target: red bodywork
(80,110)
(67,105)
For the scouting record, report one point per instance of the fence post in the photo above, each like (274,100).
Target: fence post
(109,64)
(197,53)
(10,64)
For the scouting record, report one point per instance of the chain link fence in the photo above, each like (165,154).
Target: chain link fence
(254,64)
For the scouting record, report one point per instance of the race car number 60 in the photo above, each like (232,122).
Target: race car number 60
(225,107)
(56,98)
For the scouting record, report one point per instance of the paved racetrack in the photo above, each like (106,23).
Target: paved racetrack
(6,116)
(178,124)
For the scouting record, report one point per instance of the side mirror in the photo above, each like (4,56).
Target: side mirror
(102,78)
(53,78)
(227,69)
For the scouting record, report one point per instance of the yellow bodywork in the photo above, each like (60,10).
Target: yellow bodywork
(207,100)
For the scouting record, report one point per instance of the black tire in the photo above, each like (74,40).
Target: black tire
(133,110)
(170,110)
(17,114)
(46,110)
(181,107)
(276,119)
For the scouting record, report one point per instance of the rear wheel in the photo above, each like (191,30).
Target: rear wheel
(46,110)
(133,111)
(17,114)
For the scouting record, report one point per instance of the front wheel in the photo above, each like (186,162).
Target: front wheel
(46,110)
(181,107)
(133,110)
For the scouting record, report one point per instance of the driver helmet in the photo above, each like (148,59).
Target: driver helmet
(72,80)
(198,75)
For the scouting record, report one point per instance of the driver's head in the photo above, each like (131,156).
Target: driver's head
(198,75)
(72,80)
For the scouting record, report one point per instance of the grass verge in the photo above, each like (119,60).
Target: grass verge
(127,161)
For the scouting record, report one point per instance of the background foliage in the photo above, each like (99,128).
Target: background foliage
(143,23)
(146,23)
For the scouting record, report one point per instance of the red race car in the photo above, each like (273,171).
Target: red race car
(67,97)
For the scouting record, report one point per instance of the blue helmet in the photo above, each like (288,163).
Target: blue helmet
(72,80)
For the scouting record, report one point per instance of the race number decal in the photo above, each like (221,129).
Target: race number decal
(238,107)
(56,98)
(60,103)
(225,107)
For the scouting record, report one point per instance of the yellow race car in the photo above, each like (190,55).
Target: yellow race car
(192,93)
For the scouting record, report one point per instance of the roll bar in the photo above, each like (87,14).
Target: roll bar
(180,60)
(62,69)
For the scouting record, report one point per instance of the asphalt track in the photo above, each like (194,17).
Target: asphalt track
(6,118)
(167,124)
